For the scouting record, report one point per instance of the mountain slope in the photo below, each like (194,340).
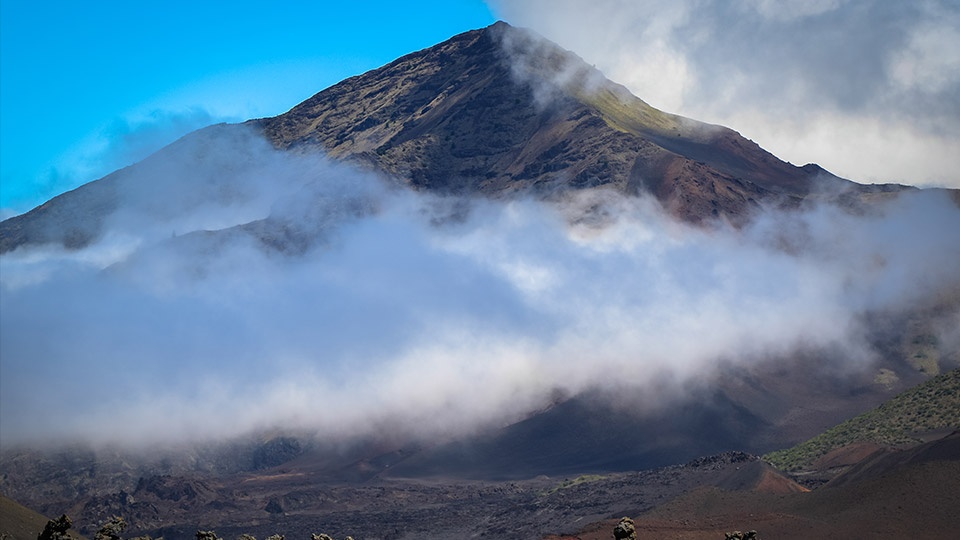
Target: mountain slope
(502,110)
(17,522)
(591,435)
(933,405)
(496,112)
(915,501)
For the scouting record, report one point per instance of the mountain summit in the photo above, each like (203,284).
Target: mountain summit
(498,111)
(502,110)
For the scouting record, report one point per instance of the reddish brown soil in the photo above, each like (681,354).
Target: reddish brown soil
(846,455)
(775,483)
(918,501)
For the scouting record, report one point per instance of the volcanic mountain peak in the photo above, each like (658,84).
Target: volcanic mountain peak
(496,112)
(502,110)
(554,72)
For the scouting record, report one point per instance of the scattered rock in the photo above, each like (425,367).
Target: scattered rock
(625,529)
(111,529)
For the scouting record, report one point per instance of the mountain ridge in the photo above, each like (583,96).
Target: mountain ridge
(564,105)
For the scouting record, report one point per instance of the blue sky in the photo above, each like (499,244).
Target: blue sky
(869,89)
(87,87)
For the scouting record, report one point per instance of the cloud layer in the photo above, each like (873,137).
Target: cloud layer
(347,307)
(868,89)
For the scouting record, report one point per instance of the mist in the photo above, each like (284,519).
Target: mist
(285,291)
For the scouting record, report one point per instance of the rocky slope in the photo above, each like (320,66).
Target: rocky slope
(18,522)
(501,110)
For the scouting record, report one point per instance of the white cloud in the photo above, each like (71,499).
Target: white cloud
(930,62)
(386,321)
(791,9)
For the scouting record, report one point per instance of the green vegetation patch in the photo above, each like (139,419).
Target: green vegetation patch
(582,479)
(628,114)
(929,406)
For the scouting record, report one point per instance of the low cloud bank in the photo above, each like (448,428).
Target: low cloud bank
(410,314)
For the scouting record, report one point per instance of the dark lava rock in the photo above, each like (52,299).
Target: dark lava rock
(274,507)
(275,452)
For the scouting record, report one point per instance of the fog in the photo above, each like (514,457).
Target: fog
(242,288)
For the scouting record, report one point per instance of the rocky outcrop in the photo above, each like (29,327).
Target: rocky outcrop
(625,530)
(56,529)
(112,529)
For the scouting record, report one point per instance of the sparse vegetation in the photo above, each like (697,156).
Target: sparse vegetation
(576,481)
(628,115)
(932,405)
(886,378)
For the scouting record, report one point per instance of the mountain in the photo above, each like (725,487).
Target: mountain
(502,110)
(499,112)
(584,434)
(502,113)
